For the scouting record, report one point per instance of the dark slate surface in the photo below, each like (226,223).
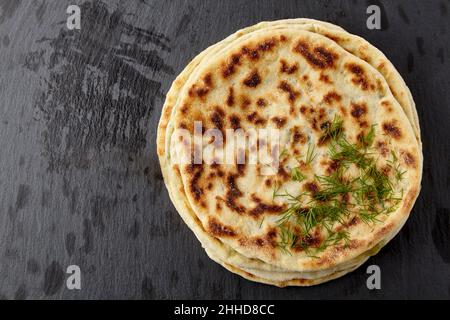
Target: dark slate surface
(79,177)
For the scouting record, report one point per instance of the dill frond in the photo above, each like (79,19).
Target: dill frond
(310,154)
(296,175)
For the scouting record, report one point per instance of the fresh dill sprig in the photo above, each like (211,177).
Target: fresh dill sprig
(347,153)
(369,216)
(334,238)
(393,164)
(332,185)
(310,154)
(261,223)
(399,174)
(296,175)
(276,188)
(338,198)
(367,139)
(287,239)
(332,130)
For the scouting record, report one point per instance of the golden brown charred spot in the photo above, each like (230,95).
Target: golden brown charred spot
(353,222)
(268,240)
(198,91)
(217,118)
(219,229)
(255,198)
(315,118)
(252,80)
(267,45)
(245,102)
(325,78)
(218,206)
(312,241)
(184,108)
(230,66)
(235,121)
(202,90)
(283,174)
(268,183)
(271,234)
(286,68)
(358,110)
(382,148)
(255,118)
(195,172)
(233,192)
(298,136)
(359,76)
(409,159)
(387,105)
(251,117)
(392,130)
(207,80)
(263,208)
(331,96)
(230,97)
(363,124)
(279,121)
(303,109)
(318,57)
(254,52)
(311,187)
(261,102)
(333,165)
(286,87)
(251,53)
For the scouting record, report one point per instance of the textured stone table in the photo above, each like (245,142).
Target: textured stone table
(79,177)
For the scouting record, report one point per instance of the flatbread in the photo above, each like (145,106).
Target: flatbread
(273,266)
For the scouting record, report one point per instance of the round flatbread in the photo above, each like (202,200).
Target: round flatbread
(289,76)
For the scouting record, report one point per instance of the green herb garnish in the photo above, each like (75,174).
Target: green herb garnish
(310,154)
(296,175)
(309,223)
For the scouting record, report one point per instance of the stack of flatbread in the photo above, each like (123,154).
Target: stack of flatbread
(349,159)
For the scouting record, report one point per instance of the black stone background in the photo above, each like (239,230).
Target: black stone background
(80,181)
